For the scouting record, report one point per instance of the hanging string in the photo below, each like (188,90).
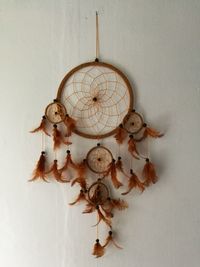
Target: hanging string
(97,228)
(43,141)
(97,235)
(97,37)
(55,154)
(148,150)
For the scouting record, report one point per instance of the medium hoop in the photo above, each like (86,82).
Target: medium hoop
(100,197)
(98,159)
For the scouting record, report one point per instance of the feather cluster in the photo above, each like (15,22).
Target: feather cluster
(101,217)
(80,197)
(150,132)
(118,204)
(119,166)
(58,139)
(98,249)
(121,134)
(113,173)
(56,173)
(149,173)
(132,147)
(89,208)
(42,127)
(71,125)
(81,171)
(68,163)
(110,239)
(134,182)
(112,204)
(39,171)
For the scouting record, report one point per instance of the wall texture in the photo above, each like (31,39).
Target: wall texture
(156,43)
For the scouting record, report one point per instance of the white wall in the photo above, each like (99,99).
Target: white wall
(156,43)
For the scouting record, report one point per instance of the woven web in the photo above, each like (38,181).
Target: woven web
(98,193)
(98,98)
(98,159)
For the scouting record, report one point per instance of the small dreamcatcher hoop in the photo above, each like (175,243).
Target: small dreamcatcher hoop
(133,122)
(98,159)
(98,193)
(98,96)
(55,112)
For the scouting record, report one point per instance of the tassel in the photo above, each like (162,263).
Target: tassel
(119,166)
(41,127)
(71,125)
(149,173)
(39,171)
(102,218)
(133,183)
(98,249)
(120,135)
(80,197)
(58,138)
(113,173)
(110,239)
(57,175)
(132,147)
(89,208)
(68,163)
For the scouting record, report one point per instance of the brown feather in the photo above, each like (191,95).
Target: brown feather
(58,139)
(149,132)
(101,217)
(68,163)
(110,239)
(89,208)
(98,250)
(132,148)
(133,183)
(149,173)
(41,127)
(81,181)
(108,212)
(119,204)
(81,170)
(121,134)
(80,197)
(71,125)
(39,171)
(57,175)
(113,173)
(153,133)
(119,166)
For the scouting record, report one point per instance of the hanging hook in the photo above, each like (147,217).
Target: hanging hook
(97,37)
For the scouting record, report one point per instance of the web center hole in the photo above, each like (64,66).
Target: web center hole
(94,99)
(99,159)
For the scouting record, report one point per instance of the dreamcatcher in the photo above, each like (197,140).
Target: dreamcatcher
(95,101)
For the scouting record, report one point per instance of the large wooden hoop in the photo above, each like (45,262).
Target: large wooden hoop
(102,64)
